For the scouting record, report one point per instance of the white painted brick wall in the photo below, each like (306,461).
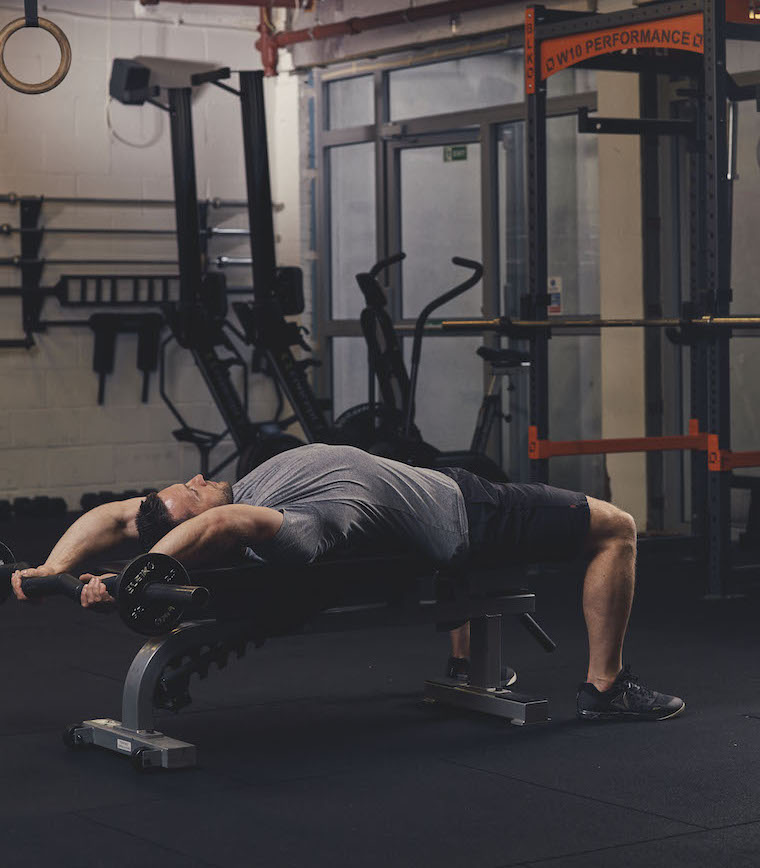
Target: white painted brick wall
(43,428)
(54,438)
(69,465)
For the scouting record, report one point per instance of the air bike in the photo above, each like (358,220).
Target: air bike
(388,427)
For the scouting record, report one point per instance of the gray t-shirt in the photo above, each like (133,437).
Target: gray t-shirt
(340,497)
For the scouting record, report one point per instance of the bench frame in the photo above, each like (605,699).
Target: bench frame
(159,674)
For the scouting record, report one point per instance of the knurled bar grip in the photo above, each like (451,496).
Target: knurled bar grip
(63,67)
(35,587)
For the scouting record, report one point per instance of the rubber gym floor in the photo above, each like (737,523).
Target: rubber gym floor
(317,749)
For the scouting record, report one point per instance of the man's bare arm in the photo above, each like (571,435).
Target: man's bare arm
(101,528)
(219,532)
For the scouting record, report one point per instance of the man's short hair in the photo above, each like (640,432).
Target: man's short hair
(153,521)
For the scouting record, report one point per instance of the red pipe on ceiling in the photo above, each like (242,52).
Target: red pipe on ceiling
(269,43)
(287,4)
(353,26)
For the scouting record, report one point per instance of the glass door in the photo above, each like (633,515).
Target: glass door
(435,213)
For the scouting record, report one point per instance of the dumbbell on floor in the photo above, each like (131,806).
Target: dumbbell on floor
(152,592)
(36,507)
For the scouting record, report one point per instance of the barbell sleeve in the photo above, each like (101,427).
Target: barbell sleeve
(183,595)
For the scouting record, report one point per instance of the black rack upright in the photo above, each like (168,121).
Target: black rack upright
(695,34)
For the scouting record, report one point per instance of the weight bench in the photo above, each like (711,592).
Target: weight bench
(253,602)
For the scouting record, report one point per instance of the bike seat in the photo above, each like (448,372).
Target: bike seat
(504,358)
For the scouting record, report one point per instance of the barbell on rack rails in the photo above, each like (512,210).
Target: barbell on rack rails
(210,232)
(518,327)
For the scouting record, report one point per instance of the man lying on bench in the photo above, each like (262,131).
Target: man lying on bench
(302,504)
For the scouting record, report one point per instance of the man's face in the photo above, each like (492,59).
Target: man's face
(185,500)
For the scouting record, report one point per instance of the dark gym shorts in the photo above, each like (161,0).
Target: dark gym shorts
(515,523)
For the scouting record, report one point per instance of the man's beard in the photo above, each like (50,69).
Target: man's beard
(226,491)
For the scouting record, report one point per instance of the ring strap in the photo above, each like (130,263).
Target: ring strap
(30,11)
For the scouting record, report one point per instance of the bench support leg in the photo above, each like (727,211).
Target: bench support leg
(484,692)
(134,735)
(485,652)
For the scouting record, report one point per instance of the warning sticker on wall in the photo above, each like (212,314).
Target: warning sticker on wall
(555,295)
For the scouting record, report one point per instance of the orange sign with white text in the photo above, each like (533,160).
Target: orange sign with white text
(684,33)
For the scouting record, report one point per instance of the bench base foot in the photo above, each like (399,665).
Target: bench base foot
(518,708)
(146,748)
(152,749)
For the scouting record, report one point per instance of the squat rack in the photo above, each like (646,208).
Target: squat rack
(694,32)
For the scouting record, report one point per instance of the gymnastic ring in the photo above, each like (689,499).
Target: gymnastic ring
(63,67)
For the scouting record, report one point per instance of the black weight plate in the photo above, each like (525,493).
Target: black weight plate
(150,618)
(366,424)
(6,555)
(6,558)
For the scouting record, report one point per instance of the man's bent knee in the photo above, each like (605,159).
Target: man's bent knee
(610,526)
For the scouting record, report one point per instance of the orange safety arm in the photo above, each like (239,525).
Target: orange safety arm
(720,460)
(538,449)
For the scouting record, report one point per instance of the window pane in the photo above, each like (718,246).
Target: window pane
(352,224)
(449,389)
(571,80)
(745,252)
(745,281)
(349,373)
(457,85)
(512,217)
(440,218)
(575,411)
(573,254)
(573,209)
(350,102)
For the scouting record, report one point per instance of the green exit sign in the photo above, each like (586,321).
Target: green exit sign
(452,153)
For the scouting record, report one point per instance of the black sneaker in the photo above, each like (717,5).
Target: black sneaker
(458,669)
(626,700)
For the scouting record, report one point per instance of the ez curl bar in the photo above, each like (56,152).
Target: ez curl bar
(152,592)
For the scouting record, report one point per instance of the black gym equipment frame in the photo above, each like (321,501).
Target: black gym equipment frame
(263,320)
(197,319)
(699,33)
